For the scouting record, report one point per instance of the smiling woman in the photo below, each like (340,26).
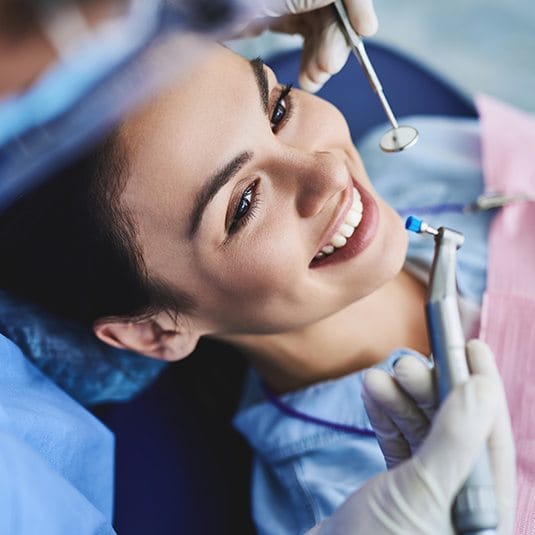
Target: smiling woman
(237,208)
(282,172)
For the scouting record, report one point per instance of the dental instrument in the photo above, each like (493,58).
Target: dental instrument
(493,200)
(399,137)
(484,203)
(474,509)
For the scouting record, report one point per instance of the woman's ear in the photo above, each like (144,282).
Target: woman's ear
(159,336)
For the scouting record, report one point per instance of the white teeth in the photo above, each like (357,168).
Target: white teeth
(353,218)
(338,240)
(346,229)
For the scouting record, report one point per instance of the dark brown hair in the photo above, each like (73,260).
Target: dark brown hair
(71,247)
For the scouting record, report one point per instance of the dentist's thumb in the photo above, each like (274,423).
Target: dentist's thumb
(459,432)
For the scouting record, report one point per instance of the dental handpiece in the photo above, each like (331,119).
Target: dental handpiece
(474,510)
(398,137)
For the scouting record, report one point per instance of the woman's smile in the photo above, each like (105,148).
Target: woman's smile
(353,228)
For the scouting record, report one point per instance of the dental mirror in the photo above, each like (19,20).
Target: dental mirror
(398,138)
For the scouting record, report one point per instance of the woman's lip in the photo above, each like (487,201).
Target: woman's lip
(347,203)
(361,238)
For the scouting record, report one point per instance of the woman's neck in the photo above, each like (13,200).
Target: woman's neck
(357,337)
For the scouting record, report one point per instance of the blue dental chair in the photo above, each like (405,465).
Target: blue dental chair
(180,467)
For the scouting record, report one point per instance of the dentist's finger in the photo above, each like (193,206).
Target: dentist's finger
(393,444)
(501,444)
(481,361)
(459,430)
(416,378)
(325,51)
(400,408)
(277,8)
(362,16)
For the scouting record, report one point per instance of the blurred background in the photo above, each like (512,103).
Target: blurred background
(478,45)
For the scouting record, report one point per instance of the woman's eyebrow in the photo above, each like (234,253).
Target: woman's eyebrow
(257,65)
(223,175)
(212,186)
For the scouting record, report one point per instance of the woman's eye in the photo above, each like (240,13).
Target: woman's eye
(245,209)
(278,113)
(282,109)
(244,204)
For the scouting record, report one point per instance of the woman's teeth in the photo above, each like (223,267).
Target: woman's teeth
(346,229)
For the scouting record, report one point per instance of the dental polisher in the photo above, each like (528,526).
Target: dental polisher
(474,510)
(399,137)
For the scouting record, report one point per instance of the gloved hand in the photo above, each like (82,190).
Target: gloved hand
(416,494)
(325,49)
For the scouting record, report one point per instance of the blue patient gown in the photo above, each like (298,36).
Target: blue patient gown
(303,471)
(56,459)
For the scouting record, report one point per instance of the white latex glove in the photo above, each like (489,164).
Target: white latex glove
(415,496)
(325,49)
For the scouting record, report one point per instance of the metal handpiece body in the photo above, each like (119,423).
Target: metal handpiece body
(474,510)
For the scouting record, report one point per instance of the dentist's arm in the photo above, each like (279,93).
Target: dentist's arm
(415,495)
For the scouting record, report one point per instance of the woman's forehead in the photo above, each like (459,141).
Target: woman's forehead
(198,107)
(188,132)
(216,71)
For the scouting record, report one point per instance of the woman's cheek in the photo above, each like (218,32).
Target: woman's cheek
(325,123)
(268,265)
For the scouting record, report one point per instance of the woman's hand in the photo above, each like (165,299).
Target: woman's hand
(325,49)
(430,463)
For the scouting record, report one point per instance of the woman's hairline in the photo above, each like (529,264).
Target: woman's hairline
(119,215)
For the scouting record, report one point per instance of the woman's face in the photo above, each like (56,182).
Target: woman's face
(235,188)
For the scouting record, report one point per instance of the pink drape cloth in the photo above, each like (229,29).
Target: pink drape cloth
(508,313)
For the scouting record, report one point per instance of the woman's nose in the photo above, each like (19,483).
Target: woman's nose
(321,176)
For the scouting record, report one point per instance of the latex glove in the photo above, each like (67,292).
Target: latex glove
(325,49)
(415,496)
